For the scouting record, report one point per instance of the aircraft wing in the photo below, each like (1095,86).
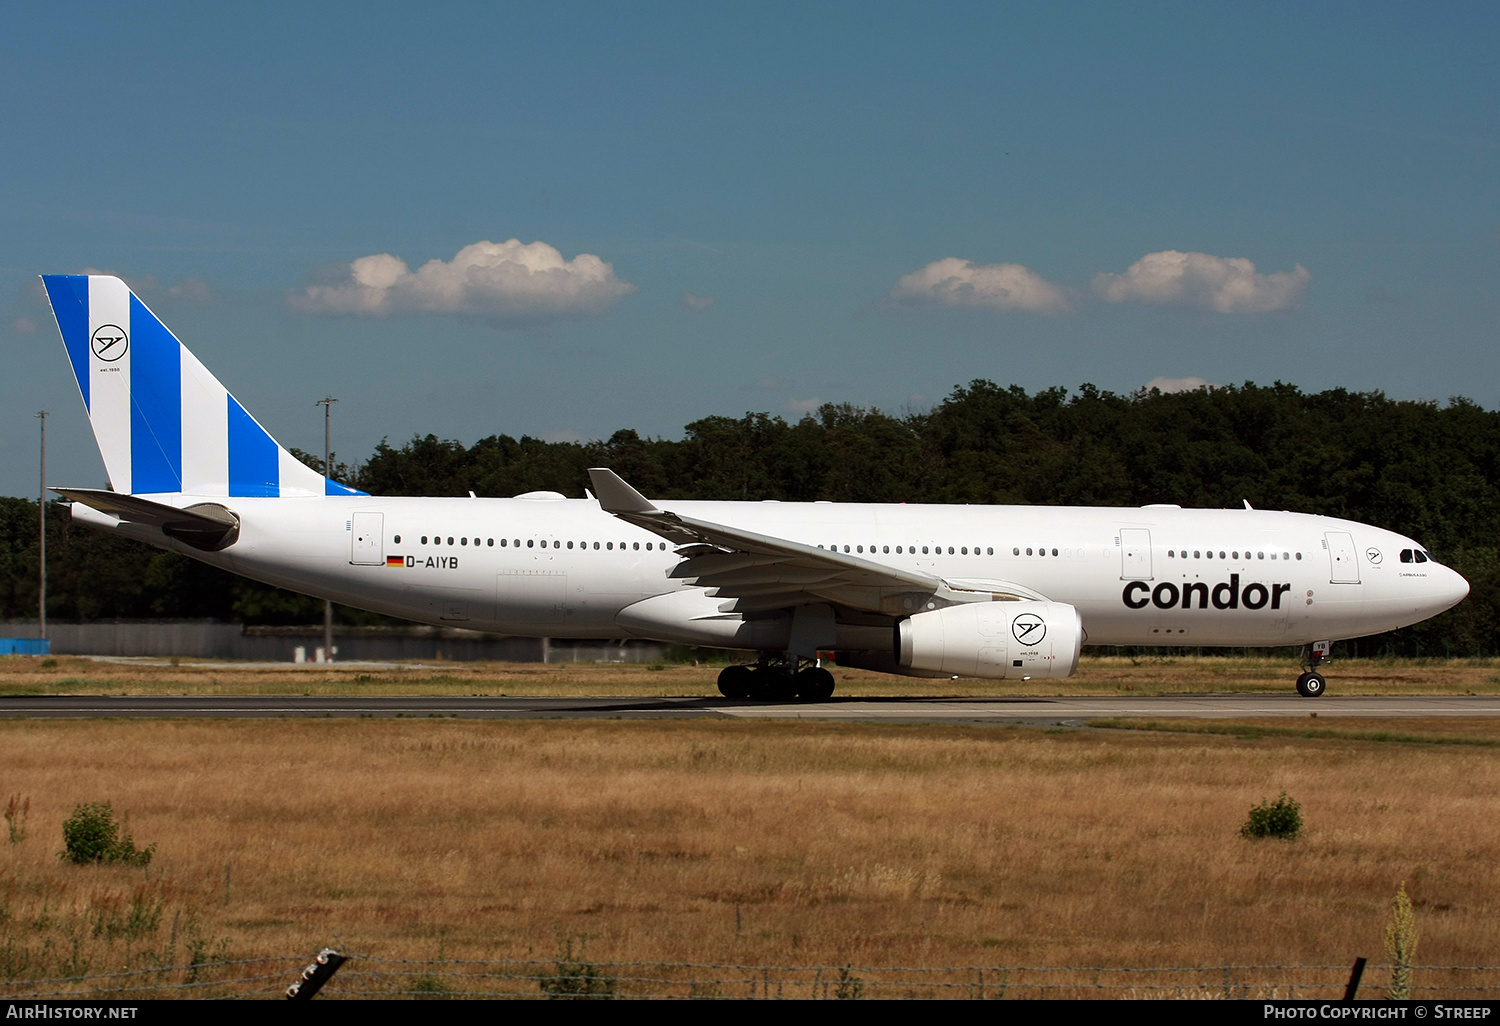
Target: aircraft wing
(756,572)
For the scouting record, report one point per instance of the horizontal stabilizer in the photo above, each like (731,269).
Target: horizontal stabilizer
(207,525)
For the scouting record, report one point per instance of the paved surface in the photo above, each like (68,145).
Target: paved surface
(1031,711)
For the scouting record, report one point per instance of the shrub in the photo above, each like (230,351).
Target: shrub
(1401,945)
(92,835)
(848,988)
(1281,819)
(575,979)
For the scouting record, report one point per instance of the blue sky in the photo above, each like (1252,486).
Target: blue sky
(722,208)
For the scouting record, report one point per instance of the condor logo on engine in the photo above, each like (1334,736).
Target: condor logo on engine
(1226,595)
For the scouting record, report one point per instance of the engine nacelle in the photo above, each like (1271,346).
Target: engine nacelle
(995,640)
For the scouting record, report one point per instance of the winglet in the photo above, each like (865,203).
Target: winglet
(615,496)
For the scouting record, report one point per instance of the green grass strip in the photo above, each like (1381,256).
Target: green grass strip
(1249,733)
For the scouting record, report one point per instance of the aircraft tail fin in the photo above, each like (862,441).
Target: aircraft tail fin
(163,423)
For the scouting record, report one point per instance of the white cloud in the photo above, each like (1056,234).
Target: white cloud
(563,434)
(693,301)
(508,281)
(1221,284)
(803,406)
(1176,384)
(192,290)
(955,282)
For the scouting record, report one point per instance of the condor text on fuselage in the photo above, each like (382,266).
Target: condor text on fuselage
(1166,595)
(925,590)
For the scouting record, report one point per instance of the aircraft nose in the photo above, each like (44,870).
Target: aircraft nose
(1455,589)
(1444,589)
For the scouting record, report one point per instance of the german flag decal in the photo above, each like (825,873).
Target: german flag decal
(395,560)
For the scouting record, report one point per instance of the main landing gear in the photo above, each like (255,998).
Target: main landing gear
(781,681)
(1311,684)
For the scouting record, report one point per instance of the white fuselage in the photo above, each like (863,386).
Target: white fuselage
(565,568)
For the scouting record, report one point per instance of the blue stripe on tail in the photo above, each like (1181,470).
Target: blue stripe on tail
(253,463)
(69,294)
(155,404)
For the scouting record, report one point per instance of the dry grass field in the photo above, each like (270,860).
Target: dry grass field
(1097,675)
(765,843)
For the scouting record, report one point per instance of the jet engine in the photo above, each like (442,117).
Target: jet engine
(996,640)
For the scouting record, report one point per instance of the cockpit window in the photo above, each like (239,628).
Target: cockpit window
(1406,556)
(1422,557)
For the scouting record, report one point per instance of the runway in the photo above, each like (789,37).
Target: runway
(1022,711)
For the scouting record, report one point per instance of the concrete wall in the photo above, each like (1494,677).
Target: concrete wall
(208,639)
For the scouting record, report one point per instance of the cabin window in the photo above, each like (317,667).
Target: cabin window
(530,542)
(463,541)
(398,539)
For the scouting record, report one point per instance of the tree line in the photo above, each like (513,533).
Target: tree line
(1424,469)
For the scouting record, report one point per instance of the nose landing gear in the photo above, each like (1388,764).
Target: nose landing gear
(1311,684)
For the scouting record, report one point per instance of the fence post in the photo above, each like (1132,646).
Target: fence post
(1354,975)
(315,975)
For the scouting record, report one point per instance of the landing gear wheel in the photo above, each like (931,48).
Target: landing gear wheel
(815,684)
(735,681)
(1311,685)
(772,684)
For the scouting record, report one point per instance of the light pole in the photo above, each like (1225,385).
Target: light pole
(41,604)
(327,403)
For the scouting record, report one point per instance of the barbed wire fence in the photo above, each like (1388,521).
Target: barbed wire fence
(574,978)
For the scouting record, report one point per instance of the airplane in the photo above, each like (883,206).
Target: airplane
(994,592)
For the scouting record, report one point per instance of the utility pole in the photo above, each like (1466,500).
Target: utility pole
(327,403)
(41,605)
